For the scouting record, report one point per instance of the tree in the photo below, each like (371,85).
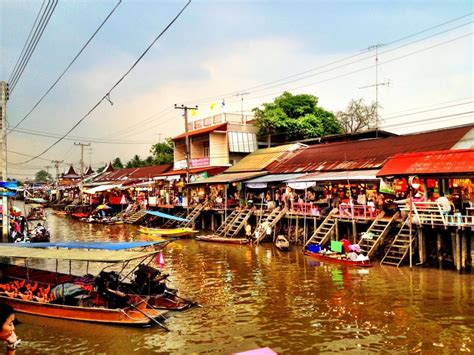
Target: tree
(43,176)
(163,152)
(135,162)
(358,116)
(117,163)
(294,117)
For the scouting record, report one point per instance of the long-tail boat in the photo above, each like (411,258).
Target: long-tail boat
(107,298)
(338,259)
(167,232)
(219,239)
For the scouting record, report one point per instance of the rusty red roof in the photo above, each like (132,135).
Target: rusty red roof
(149,172)
(459,162)
(197,132)
(367,154)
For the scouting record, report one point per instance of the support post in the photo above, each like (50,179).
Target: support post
(421,246)
(458,250)
(464,251)
(439,254)
(453,245)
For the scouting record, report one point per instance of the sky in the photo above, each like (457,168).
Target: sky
(217,49)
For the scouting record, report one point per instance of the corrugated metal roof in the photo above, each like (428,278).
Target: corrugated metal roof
(211,170)
(359,175)
(368,154)
(197,132)
(452,163)
(228,178)
(262,158)
(274,178)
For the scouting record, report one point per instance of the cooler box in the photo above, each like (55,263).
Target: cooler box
(314,248)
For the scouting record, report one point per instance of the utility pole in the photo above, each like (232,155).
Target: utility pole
(82,155)
(385,83)
(3,106)
(186,153)
(244,121)
(56,165)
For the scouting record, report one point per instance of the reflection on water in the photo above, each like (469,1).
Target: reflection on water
(257,296)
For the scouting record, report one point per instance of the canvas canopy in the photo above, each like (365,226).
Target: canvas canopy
(101,188)
(88,245)
(73,254)
(168,216)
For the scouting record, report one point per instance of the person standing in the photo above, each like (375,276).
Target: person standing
(7,332)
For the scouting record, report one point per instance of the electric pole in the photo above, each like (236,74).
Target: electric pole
(82,155)
(186,153)
(56,165)
(244,121)
(3,106)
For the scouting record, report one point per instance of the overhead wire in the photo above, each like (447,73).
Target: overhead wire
(326,65)
(32,46)
(67,68)
(107,95)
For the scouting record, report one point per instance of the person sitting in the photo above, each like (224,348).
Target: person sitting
(444,202)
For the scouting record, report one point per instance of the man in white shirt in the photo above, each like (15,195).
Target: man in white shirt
(444,202)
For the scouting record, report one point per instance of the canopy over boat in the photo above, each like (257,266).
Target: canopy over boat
(73,254)
(165,215)
(88,245)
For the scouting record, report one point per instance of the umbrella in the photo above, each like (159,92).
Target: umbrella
(103,207)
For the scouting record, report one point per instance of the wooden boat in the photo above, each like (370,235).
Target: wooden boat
(60,213)
(282,243)
(218,239)
(80,215)
(338,259)
(52,294)
(162,232)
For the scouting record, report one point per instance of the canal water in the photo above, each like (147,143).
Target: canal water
(255,297)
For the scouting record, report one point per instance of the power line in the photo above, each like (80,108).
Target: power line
(431,105)
(433,109)
(33,43)
(107,95)
(67,68)
(165,111)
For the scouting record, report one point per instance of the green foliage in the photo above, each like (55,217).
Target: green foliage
(117,163)
(293,117)
(163,152)
(43,176)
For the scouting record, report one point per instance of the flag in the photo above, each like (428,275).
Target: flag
(213,105)
(160,259)
(223,103)
(193,112)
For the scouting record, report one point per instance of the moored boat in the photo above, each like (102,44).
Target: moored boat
(162,232)
(338,259)
(282,243)
(218,239)
(102,299)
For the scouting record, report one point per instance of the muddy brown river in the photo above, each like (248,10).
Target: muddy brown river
(255,297)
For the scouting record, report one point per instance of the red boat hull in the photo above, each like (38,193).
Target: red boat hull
(322,257)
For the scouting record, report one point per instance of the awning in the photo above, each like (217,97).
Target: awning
(101,188)
(88,245)
(73,254)
(228,178)
(262,181)
(447,162)
(350,175)
(168,216)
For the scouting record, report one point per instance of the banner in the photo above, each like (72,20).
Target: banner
(387,188)
(8,184)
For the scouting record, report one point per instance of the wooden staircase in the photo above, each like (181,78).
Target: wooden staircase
(171,222)
(191,217)
(228,221)
(237,224)
(323,232)
(272,219)
(136,217)
(400,246)
(377,232)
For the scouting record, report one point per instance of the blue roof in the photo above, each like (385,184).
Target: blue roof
(165,215)
(88,245)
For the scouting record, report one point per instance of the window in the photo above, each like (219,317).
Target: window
(242,142)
